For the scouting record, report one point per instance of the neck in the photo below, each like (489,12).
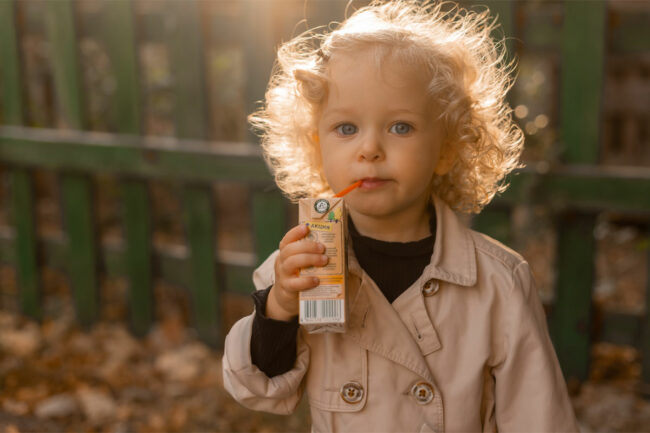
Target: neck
(405,227)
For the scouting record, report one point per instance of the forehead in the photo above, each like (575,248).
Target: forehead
(355,78)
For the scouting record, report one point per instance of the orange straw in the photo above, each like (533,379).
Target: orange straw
(349,188)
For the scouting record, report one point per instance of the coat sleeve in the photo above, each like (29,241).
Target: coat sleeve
(246,382)
(530,390)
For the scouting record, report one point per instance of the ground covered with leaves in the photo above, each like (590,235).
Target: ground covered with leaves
(56,377)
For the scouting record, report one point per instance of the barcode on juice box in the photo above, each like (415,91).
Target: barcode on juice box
(321,310)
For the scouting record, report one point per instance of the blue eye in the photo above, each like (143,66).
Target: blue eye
(346,129)
(401,128)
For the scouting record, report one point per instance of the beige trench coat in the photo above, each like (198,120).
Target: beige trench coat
(464,349)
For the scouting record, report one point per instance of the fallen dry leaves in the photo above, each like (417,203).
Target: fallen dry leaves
(56,377)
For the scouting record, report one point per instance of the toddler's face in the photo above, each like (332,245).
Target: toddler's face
(377,126)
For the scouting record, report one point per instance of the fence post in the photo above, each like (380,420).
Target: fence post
(22,191)
(126,108)
(572,309)
(583,48)
(76,189)
(186,49)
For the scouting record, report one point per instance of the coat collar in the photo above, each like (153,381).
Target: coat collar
(454,257)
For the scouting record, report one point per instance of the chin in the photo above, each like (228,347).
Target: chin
(375,209)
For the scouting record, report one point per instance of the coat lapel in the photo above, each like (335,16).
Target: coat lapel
(376,326)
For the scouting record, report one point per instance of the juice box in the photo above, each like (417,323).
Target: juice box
(324,308)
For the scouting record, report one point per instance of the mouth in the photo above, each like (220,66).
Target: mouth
(368,183)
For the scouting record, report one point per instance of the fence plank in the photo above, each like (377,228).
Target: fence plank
(583,48)
(583,51)
(198,215)
(126,107)
(582,84)
(571,317)
(137,227)
(76,189)
(61,29)
(645,335)
(11,101)
(186,45)
(269,216)
(199,220)
(82,255)
(27,271)
(22,193)
(122,48)
(186,53)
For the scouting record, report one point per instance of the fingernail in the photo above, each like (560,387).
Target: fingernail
(316,280)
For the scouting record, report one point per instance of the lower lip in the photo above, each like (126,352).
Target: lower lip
(372,184)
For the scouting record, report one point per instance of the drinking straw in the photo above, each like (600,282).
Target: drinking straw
(349,188)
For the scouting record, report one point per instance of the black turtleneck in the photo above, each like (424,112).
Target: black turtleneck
(381,259)
(393,266)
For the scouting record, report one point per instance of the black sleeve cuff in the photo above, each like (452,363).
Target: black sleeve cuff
(273,342)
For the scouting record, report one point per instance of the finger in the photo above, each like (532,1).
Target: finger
(296,233)
(302,247)
(298,284)
(293,264)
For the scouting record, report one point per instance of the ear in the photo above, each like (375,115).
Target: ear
(446,161)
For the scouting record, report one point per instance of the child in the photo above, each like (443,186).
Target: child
(445,328)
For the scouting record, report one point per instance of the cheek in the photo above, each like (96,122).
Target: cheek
(418,167)
(331,168)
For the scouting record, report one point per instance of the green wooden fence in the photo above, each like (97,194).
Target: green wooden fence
(576,190)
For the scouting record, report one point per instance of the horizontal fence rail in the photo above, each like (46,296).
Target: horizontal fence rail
(155,157)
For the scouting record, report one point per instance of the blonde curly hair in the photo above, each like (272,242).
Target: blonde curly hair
(469,79)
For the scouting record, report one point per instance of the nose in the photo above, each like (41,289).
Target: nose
(370,148)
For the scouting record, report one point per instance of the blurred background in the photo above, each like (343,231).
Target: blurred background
(134,202)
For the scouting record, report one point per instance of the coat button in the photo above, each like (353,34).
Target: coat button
(430,288)
(352,392)
(423,392)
